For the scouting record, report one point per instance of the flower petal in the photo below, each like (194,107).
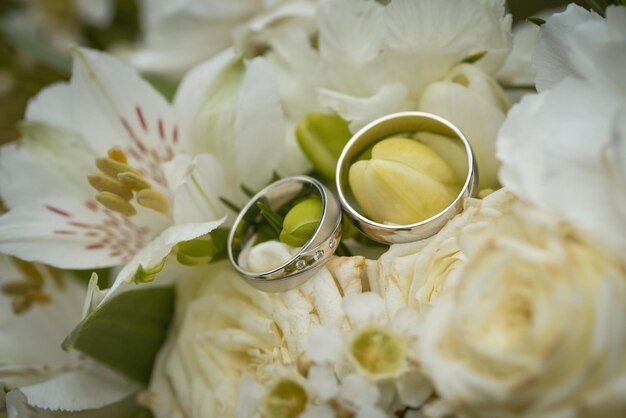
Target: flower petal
(581,44)
(158,248)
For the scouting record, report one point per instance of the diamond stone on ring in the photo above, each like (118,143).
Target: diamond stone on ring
(310,257)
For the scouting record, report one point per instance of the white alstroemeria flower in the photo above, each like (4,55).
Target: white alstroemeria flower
(534,328)
(101,176)
(224,328)
(39,306)
(177,35)
(564,150)
(581,44)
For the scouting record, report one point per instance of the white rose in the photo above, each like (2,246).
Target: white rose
(224,328)
(534,326)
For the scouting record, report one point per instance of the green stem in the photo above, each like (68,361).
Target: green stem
(272,218)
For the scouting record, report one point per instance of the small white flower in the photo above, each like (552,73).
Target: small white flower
(177,36)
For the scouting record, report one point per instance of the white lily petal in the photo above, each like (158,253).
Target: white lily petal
(71,232)
(159,248)
(114,107)
(23,180)
(359,111)
(259,126)
(34,337)
(51,106)
(78,390)
(194,89)
(350,31)
(197,195)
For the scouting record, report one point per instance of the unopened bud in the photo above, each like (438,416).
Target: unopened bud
(322,138)
(197,251)
(301,222)
(404,182)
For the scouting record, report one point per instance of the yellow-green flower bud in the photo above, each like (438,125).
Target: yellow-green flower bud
(377,352)
(147,274)
(322,138)
(286,399)
(404,182)
(197,251)
(301,222)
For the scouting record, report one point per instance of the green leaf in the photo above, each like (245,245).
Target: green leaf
(126,332)
(536,20)
(273,219)
(475,57)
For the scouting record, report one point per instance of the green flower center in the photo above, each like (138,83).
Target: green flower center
(377,351)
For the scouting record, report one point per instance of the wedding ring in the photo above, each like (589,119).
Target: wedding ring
(309,258)
(394,124)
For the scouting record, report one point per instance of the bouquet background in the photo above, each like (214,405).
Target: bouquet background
(514,309)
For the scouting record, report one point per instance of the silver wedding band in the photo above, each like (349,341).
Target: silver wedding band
(309,258)
(394,124)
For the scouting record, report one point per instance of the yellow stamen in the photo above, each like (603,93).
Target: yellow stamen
(133,181)
(153,199)
(39,296)
(21,304)
(115,203)
(19,287)
(104,183)
(113,168)
(118,155)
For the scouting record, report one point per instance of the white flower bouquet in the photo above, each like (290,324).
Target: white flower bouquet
(515,308)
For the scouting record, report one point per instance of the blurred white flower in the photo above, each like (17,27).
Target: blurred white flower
(177,35)
(224,328)
(156,171)
(535,326)
(564,150)
(57,24)
(583,45)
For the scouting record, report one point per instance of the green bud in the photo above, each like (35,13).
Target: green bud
(196,251)
(322,138)
(404,182)
(286,399)
(301,222)
(378,352)
(147,274)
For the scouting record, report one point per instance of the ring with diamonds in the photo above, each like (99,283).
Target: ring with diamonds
(310,257)
(397,124)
